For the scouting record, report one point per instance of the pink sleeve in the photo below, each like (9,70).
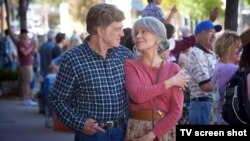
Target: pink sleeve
(169,121)
(137,91)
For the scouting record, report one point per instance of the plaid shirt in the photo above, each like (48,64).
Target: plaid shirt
(153,10)
(89,86)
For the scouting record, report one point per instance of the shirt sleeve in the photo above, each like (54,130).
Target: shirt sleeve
(60,96)
(183,44)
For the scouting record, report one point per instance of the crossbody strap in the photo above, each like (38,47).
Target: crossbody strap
(153,101)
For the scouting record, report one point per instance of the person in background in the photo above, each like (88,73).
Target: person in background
(153,9)
(89,94)
(25,54)
(153,85)
(55,63)
(178,46)
(200,64)
(46,53)
(245,63)
(74,40)
(8,53)
(60,45)
(127,40)
(227,47)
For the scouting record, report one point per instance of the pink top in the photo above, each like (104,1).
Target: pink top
(141,88)
(25,60)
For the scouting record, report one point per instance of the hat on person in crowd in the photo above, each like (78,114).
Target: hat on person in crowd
(24,31)
(206,25)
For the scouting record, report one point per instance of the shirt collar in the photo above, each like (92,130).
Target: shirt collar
(199,46)
(109,52)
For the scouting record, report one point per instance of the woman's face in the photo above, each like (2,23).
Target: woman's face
(233,52)
(145,40)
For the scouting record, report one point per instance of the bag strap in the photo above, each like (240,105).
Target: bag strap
(153,101)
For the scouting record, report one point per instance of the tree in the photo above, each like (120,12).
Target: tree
(22,13)
(231,15)
(248,2)
(196,9)
(9,9)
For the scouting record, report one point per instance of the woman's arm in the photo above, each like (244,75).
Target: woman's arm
(136,88)
(175,106)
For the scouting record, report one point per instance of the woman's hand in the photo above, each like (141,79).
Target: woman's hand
(180,80)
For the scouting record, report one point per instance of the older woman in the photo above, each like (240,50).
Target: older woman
(154,86)
(227,48)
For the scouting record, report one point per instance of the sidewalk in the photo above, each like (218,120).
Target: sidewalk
(21,123)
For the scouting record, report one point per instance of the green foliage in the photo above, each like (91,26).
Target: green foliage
(79,8)
(248,2)
(198,9)
(7,75)
(54,19)
(50,2)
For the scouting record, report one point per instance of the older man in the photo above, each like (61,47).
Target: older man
(200,64)
(89,92)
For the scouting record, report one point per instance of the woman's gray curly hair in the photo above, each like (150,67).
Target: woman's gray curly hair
(154,26)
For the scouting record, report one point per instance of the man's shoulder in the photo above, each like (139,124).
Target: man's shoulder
(48,44)
(125,52)
(196,51)
(76,50)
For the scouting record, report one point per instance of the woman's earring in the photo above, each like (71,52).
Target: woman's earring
(136,51)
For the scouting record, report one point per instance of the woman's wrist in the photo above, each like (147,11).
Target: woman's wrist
(168,83)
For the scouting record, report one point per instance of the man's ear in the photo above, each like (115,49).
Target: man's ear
(99,31)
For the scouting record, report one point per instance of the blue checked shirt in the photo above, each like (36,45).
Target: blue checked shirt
(89,86)
(153,10)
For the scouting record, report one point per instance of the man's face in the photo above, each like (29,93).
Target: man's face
(111,36)
(207,37)
(24,36)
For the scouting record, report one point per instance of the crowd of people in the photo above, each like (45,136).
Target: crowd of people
(130,84)
(134,80)
(31,58)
